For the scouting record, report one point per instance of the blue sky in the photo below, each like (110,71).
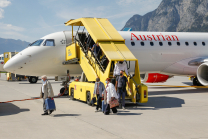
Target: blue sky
(30,20)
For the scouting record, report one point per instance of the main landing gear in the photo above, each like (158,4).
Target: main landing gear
(33,79)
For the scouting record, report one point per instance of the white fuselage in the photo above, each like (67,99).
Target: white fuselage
(172,60)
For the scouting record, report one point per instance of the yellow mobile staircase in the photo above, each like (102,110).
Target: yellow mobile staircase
(113,47)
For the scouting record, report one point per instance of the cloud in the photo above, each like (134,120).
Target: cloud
(3,4)
(1,13)
(9,27)
(85,12)
(125,2)
(13,35)
(120,15)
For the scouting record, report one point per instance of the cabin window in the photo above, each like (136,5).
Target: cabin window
(37,43)
(195,44)
(49,42)
(169,43)
(178,43)
(2,58)
(203,43)
(187,44)
(142,43)
(151,43)
(133,43)
(161,43)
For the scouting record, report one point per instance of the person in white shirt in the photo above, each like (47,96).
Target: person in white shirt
(109,93)
(121,65)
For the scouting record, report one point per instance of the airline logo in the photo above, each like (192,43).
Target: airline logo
(2,62)
(153,37)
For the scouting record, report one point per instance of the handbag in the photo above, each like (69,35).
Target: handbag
(113,102)
(93,100)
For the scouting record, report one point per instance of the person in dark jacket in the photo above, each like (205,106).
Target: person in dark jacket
(97,50)
(121,82)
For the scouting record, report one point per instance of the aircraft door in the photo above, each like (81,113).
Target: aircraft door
(68,36)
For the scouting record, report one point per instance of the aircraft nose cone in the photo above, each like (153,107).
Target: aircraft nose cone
(9,66)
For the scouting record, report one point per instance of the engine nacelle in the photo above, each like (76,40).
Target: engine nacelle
(154,78)
(202,74)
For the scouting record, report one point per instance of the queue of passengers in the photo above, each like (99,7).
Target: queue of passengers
(110,92)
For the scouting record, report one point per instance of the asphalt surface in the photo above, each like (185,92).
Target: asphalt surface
(171,113)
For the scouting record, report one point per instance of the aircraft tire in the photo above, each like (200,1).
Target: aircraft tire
(66,92)
(33,79)
(88,98)
(72,94)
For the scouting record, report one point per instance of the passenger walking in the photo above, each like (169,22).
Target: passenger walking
(121,65)
(88,41)
(109,93)
(121,82)
(97,50)
(98,90)
(46,92)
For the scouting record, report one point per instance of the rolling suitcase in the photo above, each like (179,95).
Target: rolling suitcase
(50,104)
(103,106)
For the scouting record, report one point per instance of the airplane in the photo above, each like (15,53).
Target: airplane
(161,55)
(1,62)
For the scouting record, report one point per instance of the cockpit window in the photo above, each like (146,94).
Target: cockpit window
(2,58)
(49,42)
(37,43)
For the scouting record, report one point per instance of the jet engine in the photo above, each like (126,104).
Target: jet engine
(202,74)
(154,78)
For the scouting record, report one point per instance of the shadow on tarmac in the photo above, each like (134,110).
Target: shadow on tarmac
(30,83)
(156,103)
(10,109)
(164,102)
(119,113)
(188,83)
(63,115)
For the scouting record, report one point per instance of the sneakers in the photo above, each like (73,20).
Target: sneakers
(96,110)
(50,112)
(123,108)
(44,114)
(120,106)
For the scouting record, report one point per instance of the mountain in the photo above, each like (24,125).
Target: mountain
(10,45)
(173,15)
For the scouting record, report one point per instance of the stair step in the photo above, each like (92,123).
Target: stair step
(70,61)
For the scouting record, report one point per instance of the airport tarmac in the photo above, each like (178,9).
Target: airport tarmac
(171,113)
